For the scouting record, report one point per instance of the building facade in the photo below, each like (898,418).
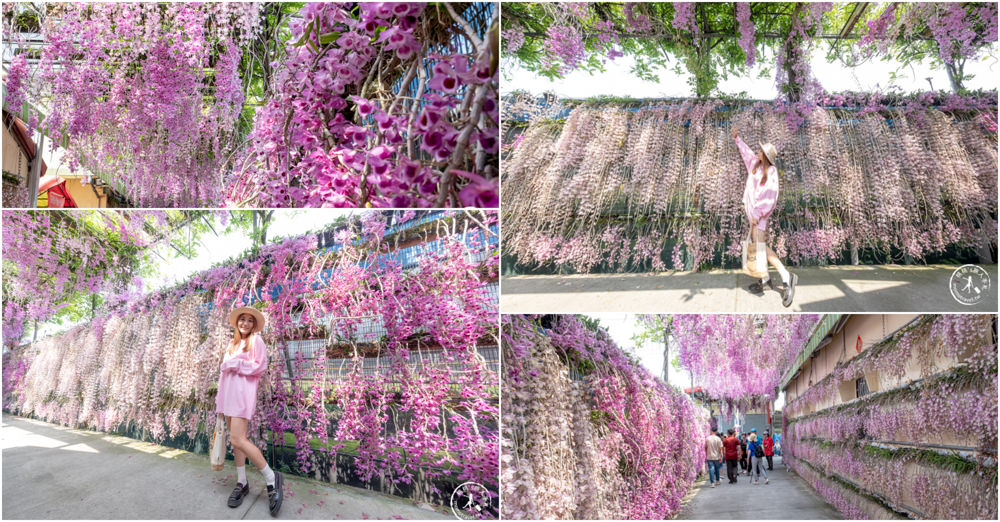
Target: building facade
(896,415)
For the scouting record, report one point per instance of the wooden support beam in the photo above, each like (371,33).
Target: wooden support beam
(859,9)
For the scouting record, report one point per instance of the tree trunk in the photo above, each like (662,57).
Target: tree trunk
(955,75)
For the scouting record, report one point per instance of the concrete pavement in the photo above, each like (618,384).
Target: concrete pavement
(787,497)
(865,288)
(54,472)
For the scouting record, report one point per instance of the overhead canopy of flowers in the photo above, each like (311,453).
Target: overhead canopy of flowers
(371,104)
(51,257)
(712,41)
(740,359)
(144,95)
(653,185)
(152,361)
(588,433)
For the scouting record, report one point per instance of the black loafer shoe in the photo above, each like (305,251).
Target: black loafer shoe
(276,495)
(236,497)
(756,288)
(789,293)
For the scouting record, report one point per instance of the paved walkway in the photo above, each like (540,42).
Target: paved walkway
(53,472)
(884,288)
(787,497)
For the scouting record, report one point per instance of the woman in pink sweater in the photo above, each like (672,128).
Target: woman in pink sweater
(760,195)
(244,362)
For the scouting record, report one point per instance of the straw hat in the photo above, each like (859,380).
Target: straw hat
(769,151)
(258,316)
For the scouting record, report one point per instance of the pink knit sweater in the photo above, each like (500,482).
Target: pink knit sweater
(758,200)
(238,379)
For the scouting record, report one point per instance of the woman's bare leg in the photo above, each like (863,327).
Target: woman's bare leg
(239,456)
(772,258)
(238,438)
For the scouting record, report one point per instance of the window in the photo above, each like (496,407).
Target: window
(861,387)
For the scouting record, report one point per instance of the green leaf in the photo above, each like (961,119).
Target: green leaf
(328,38)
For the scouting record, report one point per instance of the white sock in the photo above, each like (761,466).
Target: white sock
(783,272)
(764,280)
(268,475)
(241,475)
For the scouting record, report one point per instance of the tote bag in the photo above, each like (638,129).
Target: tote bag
(217,455)
(754,257)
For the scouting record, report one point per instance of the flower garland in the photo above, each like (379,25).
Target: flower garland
(136,92)
(335,135)
(149,363)
(588,433)
(851,178)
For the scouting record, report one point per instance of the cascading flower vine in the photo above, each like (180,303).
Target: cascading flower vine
(152,361)
(854,177)
(746,40)
(740,359)
(587,432)
(49,258)
(336,135)
(136,92)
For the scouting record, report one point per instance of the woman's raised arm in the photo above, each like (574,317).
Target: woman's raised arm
(749,158)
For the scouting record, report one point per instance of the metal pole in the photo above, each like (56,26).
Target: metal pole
(666,356)
(35,173)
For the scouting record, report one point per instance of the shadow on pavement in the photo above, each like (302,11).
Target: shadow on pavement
(52,472)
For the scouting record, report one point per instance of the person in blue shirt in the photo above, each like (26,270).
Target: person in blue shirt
(756,469)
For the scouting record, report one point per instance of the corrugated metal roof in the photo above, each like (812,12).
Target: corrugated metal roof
(819,333)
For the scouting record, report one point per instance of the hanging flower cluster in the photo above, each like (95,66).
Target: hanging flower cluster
(796,85)
(684,17)
(52,257)
(587,432)
(336,134)
(959,30)
(908,177)
(746,40)
(740,359)
(144,95)
(152,361)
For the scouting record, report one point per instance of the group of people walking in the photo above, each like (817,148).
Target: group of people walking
(747,453)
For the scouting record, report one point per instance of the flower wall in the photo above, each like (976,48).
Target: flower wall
(617,188)
(152,361)
(587,432)
(849,449)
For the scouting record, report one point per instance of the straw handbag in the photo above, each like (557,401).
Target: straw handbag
(217,454)
(754,257)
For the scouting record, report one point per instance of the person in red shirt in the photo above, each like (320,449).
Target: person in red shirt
(731,451)
(769,450)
